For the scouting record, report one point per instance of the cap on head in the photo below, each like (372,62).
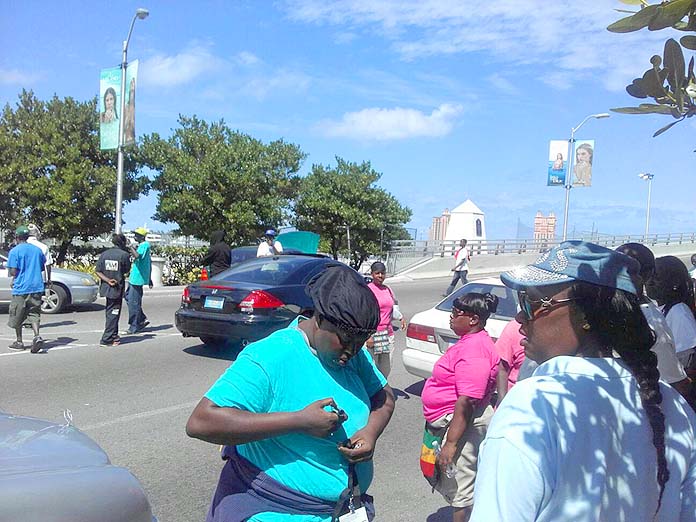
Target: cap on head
(270,233)
(22,231)
(140,231)
(34,230)
(577,261)
(341,296)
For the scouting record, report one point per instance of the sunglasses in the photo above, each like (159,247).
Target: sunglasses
(532,308)
(458,313)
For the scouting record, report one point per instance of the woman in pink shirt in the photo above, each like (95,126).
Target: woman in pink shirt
(457,400)
(511,354)
(381,344)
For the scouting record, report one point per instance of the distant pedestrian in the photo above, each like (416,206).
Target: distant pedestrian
(141,275)
(381,344)
(270,246)
(461,267)
(218,257)
(25,265)
(113,266)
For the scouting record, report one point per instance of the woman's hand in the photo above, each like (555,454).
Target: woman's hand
(315,420)
(403,323)
(446,456)
(370,343)
(362,447)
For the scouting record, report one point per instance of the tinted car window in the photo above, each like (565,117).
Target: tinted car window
(280,270)
(507,299)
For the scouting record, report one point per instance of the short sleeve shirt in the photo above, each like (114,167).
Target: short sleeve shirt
(469,367)
(140,272)
(385,298)
(510,350)
(114,264)
(264,249)
(29,262)
(462,255)
(671,370)
(280,373)
(683,325)
(44,248)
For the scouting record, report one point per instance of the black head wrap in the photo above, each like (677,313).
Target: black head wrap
(217,237)
(342,297)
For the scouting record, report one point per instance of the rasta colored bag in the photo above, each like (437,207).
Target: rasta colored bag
(432,442)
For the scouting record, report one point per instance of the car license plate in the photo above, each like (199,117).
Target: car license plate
(216,303)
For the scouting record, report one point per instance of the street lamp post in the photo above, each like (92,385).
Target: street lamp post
(568,185)
(141,14)
(647,177)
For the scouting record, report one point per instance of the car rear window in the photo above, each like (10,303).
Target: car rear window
(507,299)
(273,271)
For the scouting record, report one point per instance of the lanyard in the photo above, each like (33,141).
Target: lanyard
(350,495)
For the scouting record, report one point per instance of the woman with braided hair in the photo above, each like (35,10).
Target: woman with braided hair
(593,435)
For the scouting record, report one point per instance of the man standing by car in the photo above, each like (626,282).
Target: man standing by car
(139,276)
(112,267)
(270,246)
(35,239)
(25,265)
(461,267)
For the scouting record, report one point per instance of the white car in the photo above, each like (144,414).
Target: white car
(428,335)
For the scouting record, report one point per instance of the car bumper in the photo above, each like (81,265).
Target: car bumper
(82,294)
(419,363)
(248,327)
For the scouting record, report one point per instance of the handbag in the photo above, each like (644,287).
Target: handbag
(432,442)
(381,342)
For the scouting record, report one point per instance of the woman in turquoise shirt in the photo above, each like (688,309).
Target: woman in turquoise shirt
(300,412)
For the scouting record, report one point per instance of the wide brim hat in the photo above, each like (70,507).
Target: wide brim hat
(577,261)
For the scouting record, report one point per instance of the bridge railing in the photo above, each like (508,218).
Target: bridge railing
(404,254)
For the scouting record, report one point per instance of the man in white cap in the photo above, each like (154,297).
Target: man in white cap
(140,275)
(270,246)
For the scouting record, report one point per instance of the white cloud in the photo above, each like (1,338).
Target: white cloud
(393,124)
(17,77)
(272,82)
(246,58)
(182,68)
(503,84)
(569,40)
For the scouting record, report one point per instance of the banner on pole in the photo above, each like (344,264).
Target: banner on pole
(110,104)
(558,163)
(582,169)
(109,94)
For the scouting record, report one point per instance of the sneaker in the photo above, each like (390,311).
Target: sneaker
(17,345)
(37,344)
(142,327)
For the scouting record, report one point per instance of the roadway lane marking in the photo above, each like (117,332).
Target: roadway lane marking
(138,416)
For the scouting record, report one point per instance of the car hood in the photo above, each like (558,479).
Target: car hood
(70,273)
(28,445)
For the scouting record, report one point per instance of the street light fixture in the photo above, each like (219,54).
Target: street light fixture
(647,177)
(140,14)
(571,146)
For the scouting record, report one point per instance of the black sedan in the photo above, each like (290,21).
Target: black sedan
(249,300)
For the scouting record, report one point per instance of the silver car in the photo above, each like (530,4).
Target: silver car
(53,472)
(70,287)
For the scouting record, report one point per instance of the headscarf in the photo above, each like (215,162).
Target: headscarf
(342,297)
(217,237)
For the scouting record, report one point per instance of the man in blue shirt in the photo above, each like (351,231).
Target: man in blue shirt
(25,264)
(139,276)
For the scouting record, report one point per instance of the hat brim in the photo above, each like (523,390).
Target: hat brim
(526,276)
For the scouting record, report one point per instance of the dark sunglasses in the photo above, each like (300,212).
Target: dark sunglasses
(456,312)
(531,308)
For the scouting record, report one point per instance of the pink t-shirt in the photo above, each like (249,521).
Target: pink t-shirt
(467,368)
(510,350)
(386,306)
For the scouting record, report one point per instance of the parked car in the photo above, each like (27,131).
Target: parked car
(70,287)
(55,472)
(428,335)
(243,253)
(249,300)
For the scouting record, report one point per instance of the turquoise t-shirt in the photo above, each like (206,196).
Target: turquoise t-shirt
(140,271)
(280,373)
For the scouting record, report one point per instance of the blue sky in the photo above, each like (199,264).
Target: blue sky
(449,102)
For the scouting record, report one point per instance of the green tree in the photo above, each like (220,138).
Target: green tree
(331,200)
(53,173)
(669,82)
(210,177)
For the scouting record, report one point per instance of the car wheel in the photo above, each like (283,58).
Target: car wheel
(55,301)
(212,341)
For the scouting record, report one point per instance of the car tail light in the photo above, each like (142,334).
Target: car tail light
(420,332)
(186,296)
(259,299)
(204,274)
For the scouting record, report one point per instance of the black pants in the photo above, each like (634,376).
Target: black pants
(113,314)
(456,277)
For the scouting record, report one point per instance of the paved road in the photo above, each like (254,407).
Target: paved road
(134,400)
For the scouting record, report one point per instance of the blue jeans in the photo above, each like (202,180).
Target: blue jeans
(458,275)
(134,298)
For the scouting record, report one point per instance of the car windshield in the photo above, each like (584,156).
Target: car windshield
(281,270)
(507,299)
